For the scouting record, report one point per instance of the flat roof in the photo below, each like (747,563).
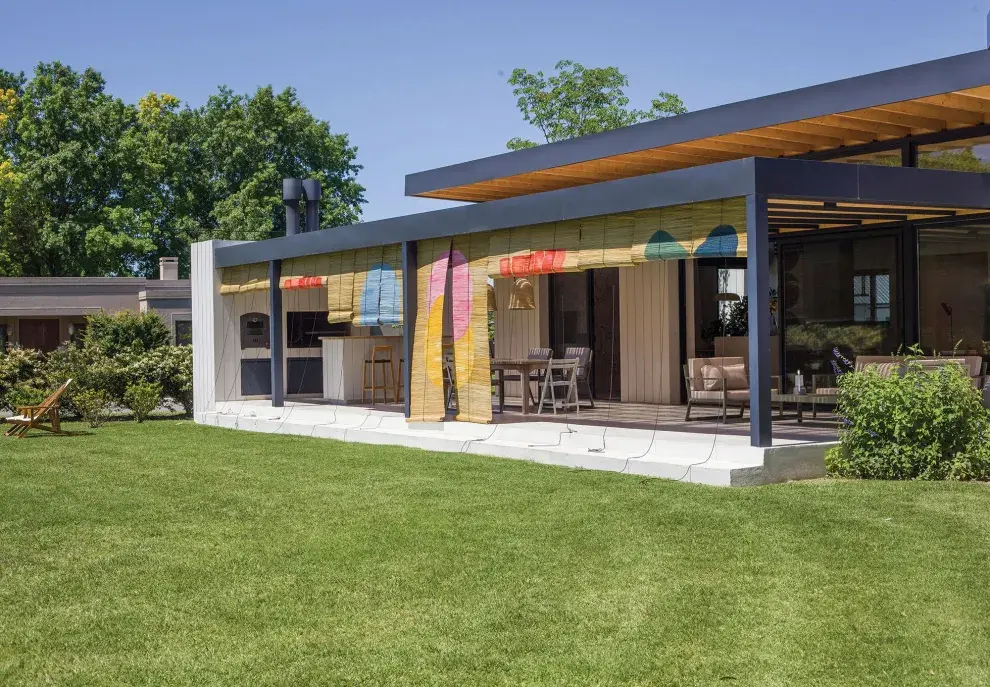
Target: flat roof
(842,195)
(942,95)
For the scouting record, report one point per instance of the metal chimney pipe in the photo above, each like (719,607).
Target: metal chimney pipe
(291,193)
(313,193)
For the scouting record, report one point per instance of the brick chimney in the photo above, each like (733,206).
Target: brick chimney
(168,269)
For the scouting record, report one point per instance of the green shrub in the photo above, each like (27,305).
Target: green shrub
(25,395)
(142,398)
(168,366)
(126,331)
(93,407)
(925,424)
(90,369)
(18,367)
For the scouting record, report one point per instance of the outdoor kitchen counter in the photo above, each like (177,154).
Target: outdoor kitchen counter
(343,363)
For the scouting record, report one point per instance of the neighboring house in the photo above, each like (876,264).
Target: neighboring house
(44,312)
(838,203)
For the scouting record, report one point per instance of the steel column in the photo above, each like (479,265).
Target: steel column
(409,269)
(758,293)
(910,284)
(909,154)
(277,340)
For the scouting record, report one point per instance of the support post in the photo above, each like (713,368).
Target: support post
(276,341)
(910,284)
(758,292)
(909,154)
(409,302)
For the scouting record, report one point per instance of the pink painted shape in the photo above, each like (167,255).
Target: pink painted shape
(461,296)
(438,278)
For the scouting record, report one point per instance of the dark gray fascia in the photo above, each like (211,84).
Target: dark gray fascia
(790,178)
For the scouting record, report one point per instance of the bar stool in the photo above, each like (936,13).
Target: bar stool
(381,356)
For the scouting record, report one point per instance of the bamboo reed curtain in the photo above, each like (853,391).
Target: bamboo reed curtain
(244,278)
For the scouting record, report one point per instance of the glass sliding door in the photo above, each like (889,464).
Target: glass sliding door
(839,293)
(584,312)
(954,288)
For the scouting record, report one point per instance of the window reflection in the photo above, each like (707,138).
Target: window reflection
(954,288)
(839,294)
(970,155)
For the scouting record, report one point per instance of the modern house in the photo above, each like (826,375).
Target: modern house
(44,312)
(856,213)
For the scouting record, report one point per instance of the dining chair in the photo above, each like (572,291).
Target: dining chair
(583,354)
(561,374)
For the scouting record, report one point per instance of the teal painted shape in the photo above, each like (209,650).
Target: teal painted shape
(722,242)
(663,246)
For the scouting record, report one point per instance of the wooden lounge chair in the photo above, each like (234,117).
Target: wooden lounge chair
(43,416)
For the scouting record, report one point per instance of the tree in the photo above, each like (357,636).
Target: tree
(252,142)
(577,101)
(61,141)
(90,185)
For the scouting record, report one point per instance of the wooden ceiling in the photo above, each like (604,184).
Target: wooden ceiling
(953,110)
(788,215)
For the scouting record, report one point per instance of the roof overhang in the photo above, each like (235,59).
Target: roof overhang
(779,179)
(950,94)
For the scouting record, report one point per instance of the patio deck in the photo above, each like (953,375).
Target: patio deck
(636,438)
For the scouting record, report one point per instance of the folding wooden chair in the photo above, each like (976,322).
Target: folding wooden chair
(43,416)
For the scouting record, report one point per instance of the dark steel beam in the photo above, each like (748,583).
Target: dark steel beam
(758,292)
(813,180)
(853,210)
(880,88)
(909,280)
(277,339)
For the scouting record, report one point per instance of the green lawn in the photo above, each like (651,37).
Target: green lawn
(168,553)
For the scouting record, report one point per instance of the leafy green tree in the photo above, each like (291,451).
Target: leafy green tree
(90,185)
(577,101)
(62,142)
(251,143)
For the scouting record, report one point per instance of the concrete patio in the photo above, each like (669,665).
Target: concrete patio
(639,439)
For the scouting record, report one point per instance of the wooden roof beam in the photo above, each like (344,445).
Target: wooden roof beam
(809,139)
(739,150)
(849,136)
(953,117)
(960,101)
(877,129)
(777,144)
(914,122)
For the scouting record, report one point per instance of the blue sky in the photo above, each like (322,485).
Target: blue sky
(421,84)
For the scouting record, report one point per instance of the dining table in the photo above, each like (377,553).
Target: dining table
(525,367)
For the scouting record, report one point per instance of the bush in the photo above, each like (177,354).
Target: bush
(90,369)
(25,395)
(93,407)
(927,424)
(142,398)
(170,367)
(18,368)
(126,331)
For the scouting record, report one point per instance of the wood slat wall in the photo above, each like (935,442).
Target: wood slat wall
(516,331)
(649,343)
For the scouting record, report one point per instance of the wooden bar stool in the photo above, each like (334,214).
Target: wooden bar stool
(381,357)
